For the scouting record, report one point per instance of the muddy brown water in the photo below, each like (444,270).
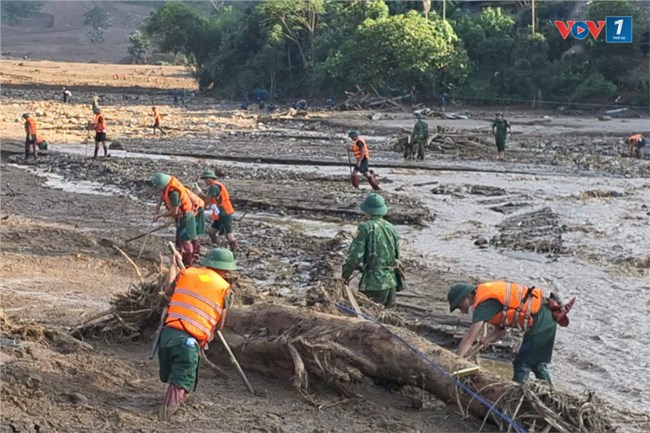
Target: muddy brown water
(607,347)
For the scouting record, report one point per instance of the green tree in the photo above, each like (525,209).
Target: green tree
(402,51)
(180,28)
(139,47)
(613,60)
(98,20)
(297,21)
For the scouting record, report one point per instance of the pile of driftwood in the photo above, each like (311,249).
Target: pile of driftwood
(131,314)
(445,140)
(361,100)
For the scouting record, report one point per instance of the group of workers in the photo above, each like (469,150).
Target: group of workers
(500,129)
(34,142)
(199,289)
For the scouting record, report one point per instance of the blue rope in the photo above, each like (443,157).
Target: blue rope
(461,385)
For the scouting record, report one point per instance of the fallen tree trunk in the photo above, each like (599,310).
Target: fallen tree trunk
(344,349)
(300,345)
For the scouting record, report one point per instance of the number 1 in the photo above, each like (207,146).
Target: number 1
(619,26)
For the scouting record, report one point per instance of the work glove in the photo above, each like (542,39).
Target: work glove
(215,209)
(196,187)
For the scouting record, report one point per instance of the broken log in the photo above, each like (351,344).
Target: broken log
(300,345)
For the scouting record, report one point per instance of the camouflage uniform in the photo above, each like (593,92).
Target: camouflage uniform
(420,136)
(375,249)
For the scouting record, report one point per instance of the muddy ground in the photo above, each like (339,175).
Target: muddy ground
(567,212)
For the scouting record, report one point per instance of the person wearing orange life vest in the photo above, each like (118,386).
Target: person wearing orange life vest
(99,125)
(179,205)
(199,217)
(30,135)
(156,122)
(223,211)
(361,155)
(509,305)
(636,143)
(200,298)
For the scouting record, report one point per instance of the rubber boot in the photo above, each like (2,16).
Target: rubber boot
(372,180)
(196,250)
(187,252)
(174,397)
(96,152)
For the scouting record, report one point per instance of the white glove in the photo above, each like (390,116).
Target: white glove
(215,209)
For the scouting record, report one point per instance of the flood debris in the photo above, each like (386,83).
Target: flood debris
(460,190)
(538,231)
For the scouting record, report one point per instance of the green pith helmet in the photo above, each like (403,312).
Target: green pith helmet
(25,115)
(97,110)
(457,293)
(208,174)
(419,115)
(161,180)
(220,258)
(353,134)
(42,145)
(374,205)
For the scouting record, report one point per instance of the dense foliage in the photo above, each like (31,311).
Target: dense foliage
(324,47)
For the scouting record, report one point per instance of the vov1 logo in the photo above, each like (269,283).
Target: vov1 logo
(618,29)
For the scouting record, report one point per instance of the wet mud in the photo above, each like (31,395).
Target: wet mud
(561,213)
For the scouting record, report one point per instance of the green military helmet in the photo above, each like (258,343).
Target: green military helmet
(419,115)
(220,258)
(457,293)
(374,205)
(97,110)
(353,134)
(42,145)
(208,174)
(161,180)
(25,115)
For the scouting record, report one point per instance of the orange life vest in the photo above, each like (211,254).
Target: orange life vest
(100,123)
(634,139)
(30,126)
(519,303)
(197,202)
(186,202)
(360,153)
(39,140)
(197,303)
(224,197)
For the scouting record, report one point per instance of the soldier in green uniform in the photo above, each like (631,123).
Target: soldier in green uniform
(420,136)
(536,348)
(500,128)
(375,250)
(177,202)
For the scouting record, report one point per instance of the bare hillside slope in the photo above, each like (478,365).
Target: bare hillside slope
(58,33)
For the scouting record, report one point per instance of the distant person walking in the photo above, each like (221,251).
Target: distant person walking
(30,134)
(500,129)
(66,95)
(156,121)
(99,125)
(420,136)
